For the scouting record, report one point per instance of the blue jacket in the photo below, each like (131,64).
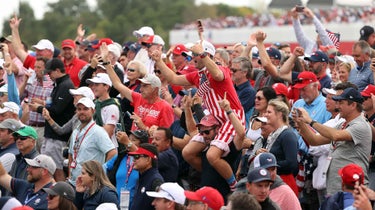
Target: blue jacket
(104,195)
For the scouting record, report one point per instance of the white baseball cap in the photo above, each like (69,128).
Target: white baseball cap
(42,161)
(208,47)
(84,91)
(152,80)
(171,191)
(44,44)
(145,30)
(86,102)
(101,78)
(9,106)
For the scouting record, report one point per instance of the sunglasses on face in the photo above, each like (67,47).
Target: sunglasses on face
(365,98)
(51,196)
(205,131)
(258,98)
(131,70)
(22,138)
(157,71)
(136,157)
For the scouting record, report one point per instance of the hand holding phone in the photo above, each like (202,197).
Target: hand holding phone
(300,8)
(200,29)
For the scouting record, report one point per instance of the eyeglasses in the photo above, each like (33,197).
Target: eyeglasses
(205,131)
(131,70)
(259,98)
(136,157)
(365,98)
(51,196)
(234,70)
(157,71)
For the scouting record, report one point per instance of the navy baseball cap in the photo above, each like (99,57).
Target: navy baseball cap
(318,56)
(274,53)
(265,160)
(258,175)
(349,94)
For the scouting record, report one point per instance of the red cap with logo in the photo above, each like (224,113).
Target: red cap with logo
(143,151)
(351,173)
(68,43)
(305,78)
(208,121)
(207,195)
(179,49)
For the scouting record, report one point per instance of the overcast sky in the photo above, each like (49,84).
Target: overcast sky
(8,7)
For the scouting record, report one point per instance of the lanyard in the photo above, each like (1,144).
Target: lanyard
(130,169)
(27,200)
(76,148)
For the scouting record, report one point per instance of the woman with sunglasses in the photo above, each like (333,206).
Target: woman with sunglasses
(60,196)
(93,187)
(262,97)
(282,142)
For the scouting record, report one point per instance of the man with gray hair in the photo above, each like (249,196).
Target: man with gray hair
(241,69)
(362,75)
(8,149)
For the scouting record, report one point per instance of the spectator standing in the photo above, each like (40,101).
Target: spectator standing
(89,141)
(142,35)
(72,63)
(61,109)
(162,138)
(362,75)
(145,161)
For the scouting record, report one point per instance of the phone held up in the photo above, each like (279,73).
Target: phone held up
(300,8)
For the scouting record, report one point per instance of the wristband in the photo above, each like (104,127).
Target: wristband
(312,123)
(229,112)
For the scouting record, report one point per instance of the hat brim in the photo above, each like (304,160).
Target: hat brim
(192,196)
(261,119)
(50,191)
(67,46)
(157,195)
(144,81)
(329,91)
(300,85)
(266,166)
(31,162)
(365,94)
(338,98)
(262,180)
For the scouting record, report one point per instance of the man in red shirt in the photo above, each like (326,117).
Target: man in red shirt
(72,63)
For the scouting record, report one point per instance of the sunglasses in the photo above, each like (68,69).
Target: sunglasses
(234,70)
(131,70)
(136,157)
(22,138)
(205,131)
(157,71)
(365,98)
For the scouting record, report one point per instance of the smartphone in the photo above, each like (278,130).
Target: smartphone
(300,8)
(118,127)
(200,25)
(297,112)
(128,113)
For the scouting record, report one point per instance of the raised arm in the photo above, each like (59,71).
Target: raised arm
(238,127)
(5,178)
(168,74)
(116,82)
(323,35)
(260,36)
(16,39)
(285,71)
(211,66)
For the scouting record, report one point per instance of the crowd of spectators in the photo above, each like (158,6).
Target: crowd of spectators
(332,15)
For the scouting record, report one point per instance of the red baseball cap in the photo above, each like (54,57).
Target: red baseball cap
(207,195)
(208,121)
(305,78)
(108,41)
(68,43)
(143,151)
(351,173)
(179,49)
(280,89)
(368,90)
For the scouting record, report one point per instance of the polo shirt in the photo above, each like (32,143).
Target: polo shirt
(317,109)
(73,69)
(361,76)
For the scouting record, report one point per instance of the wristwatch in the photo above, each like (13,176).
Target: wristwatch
(130,144)
(204,54)
(174,106)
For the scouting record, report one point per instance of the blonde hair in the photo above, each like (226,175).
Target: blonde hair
(280,106)
(95,170)
(348,66)
(141,68)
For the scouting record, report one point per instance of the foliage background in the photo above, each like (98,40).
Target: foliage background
(116,19)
